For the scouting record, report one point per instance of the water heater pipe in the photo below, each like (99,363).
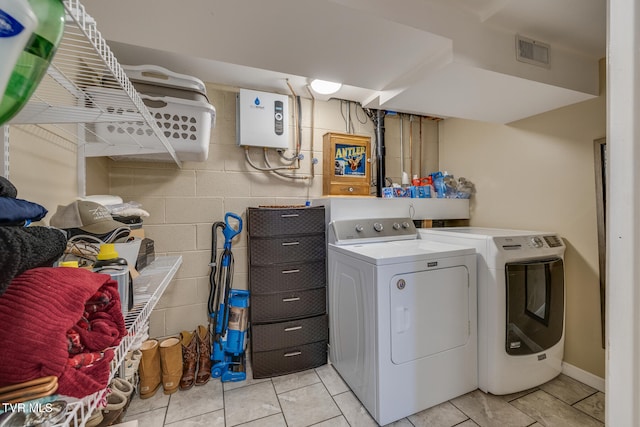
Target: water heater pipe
(411,146)
(380,152)
(401,143)
(420,171)
(348,120)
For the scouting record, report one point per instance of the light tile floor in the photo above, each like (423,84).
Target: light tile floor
(319,397)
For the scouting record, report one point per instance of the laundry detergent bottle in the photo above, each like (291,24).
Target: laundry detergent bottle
(34,59)
(17,23)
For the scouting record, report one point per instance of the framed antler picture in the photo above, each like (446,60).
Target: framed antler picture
(347,165)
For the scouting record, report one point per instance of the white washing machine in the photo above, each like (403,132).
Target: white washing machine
(521,302)
(402,316)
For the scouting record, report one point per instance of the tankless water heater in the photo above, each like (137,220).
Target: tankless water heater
(262,119)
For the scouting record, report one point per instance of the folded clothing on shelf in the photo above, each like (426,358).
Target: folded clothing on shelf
(22,248)
(38,309)
(7,189)
(20,212)
(17,211)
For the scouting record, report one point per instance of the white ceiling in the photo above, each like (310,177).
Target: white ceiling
(445,58)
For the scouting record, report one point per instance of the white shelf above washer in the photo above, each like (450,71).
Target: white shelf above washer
(84,62)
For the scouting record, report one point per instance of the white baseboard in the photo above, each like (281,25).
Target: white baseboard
(583,376)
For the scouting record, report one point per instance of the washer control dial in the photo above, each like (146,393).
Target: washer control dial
(537,242)
(396,226)
(405,224)
(378,227)
(359,228)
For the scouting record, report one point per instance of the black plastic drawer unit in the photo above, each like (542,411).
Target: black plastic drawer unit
(287,280)
(288,305)
(270,222)
(276,278)
(272,336)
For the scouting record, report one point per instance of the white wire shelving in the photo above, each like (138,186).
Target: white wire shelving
(86,85)
(148,288)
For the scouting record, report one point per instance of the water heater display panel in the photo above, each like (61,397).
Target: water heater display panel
(262,119)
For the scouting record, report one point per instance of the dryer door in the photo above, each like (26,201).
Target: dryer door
(429,312)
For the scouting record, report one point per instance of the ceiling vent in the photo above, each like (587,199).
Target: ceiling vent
(532,51)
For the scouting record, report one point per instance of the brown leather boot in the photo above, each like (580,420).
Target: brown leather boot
(149,369)
(204,358)
(171,363)
(189,359)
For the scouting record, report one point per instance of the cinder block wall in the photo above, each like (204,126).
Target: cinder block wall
(184,203)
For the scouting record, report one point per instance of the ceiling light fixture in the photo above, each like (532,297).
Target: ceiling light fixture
(325,87)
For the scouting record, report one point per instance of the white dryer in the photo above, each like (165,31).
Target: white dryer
(521,301)
(402,316)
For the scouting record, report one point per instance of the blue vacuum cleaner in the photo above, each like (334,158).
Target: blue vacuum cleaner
(228,308)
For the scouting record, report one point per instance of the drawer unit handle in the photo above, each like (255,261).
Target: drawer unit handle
(293,328)
(293,353)
(290,271)
(291,299)
(290,243)
(289,215)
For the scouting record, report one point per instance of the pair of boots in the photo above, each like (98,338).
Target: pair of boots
(161,363)
(173,362)
(196,353)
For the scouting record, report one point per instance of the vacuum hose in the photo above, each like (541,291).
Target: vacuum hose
(220,282)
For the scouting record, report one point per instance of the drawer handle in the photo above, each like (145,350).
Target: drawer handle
(293,328)
(290,243)
(291,271)
(289,215)
(293,353)
(291,299)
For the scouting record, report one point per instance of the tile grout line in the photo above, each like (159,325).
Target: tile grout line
(465,414)
(279,404)
(224,405)
(586,413)
(557,398)
(166,411)
(584,398)
(301,387)
(332,397)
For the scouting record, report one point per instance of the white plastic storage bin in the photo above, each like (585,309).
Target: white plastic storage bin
(178,103)
(153,75)
(186,125)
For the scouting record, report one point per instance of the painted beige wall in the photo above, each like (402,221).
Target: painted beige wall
(42,166)
(538,174)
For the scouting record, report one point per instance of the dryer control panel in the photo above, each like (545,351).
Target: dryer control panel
(350,231)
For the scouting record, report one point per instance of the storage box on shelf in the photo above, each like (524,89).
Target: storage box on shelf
(287,279)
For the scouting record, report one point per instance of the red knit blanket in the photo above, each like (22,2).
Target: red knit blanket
(38,309)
